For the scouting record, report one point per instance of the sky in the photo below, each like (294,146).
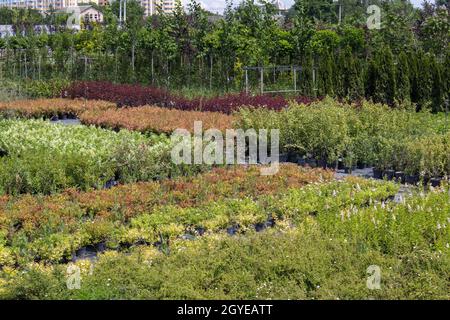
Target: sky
(218,5)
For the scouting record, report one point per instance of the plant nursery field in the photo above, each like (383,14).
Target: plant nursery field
(104,197)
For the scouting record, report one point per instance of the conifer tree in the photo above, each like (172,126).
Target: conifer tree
(424,79)
(382,77)
(413,77)
(306,75)
(438,87)
(325,75)
(349,79)
(402,78)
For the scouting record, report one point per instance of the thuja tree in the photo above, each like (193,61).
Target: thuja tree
(349,84)
(424,79)
(413,76)
(325,81)
(307,85)
(381,84)
(446,74)
(438,86)
(403,92)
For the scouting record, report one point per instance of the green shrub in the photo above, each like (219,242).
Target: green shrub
(41,157)
(372,134)
(52,88)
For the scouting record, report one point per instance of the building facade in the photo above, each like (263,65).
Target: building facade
(40,5)
(151,6)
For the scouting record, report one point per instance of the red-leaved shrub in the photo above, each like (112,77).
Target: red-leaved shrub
(137,95)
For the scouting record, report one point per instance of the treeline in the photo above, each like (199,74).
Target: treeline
(406,59)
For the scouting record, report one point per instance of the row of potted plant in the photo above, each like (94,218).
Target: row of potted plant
(51,108)
(128,95)
(155,119)
(51,228)
(338,135)
(39,157)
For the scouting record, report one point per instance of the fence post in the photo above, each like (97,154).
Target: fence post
(295,79)
(246,81)
(262,79)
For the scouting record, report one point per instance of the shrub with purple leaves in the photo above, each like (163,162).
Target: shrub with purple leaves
(137,95)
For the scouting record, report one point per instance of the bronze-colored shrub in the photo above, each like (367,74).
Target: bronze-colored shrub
(155,119)
(48,108)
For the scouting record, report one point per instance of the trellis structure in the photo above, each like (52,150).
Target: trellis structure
(295,70)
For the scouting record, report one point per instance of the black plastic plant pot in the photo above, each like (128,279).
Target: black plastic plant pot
(377,173)
(389,174)
(412,179)
(293,157)
(100,247)
(360,166)
(349,169)
(301,162)
(54,118)
(435,182)
(232,230)
(283,157)
(200,231)
(400,176)
(340,165)
(426,180)
(260,227)
(322,163)
(270,223)
(110,184)
(312,163)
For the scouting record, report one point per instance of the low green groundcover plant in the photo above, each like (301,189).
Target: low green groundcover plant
(40,157)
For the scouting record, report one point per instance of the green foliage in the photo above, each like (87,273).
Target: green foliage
(41,157)
(402,139)
(403,78)
(45,88)
(349,83)
(341,228)
(326,75)
(193,48)
(381,84)
(438,87)
(324,41)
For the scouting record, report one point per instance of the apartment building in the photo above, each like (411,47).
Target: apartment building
(45,5)
(40,5)
(151,6)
